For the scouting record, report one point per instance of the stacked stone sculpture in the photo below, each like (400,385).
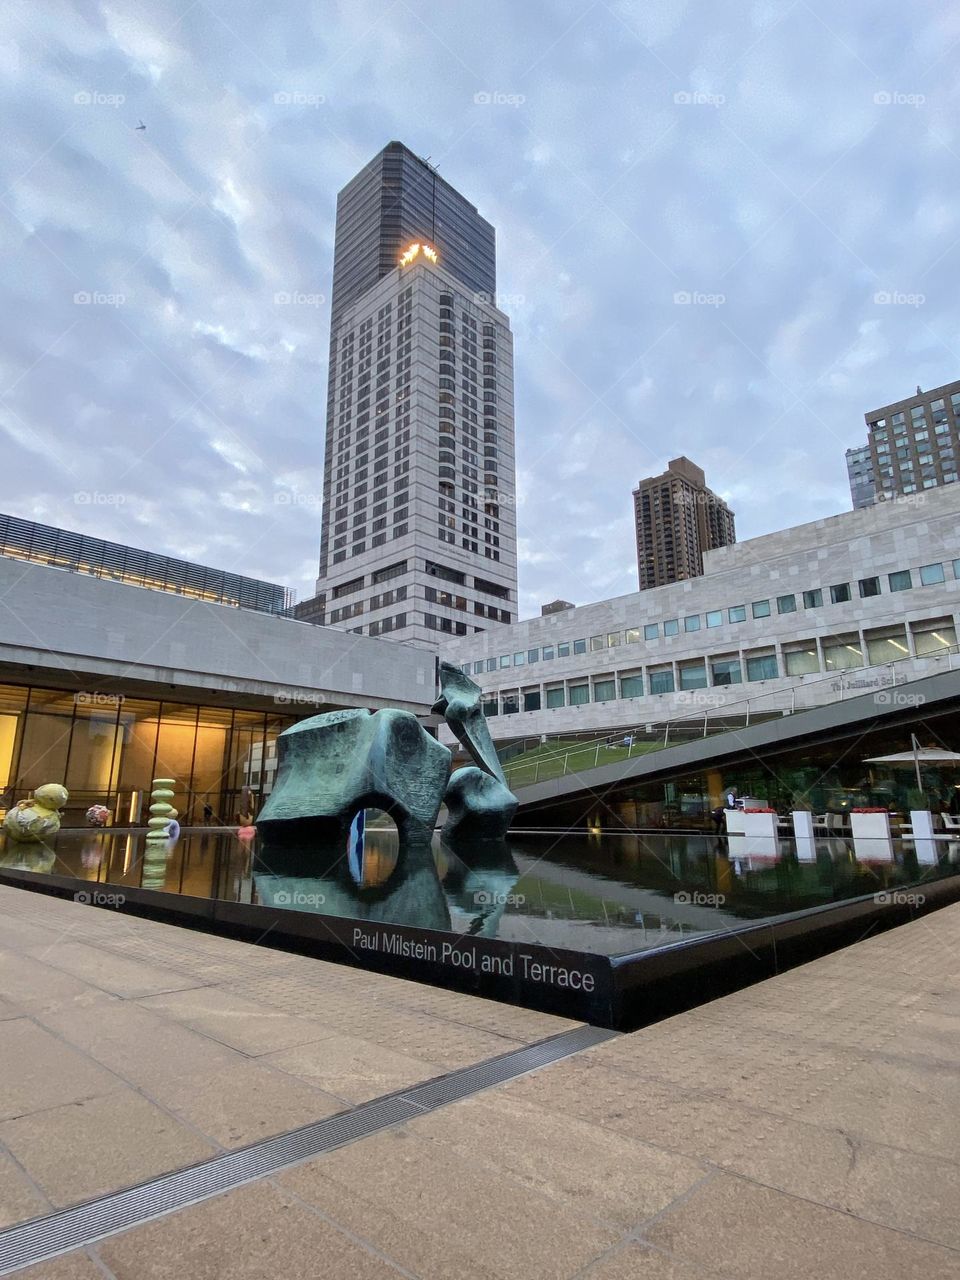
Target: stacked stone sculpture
(162,813)
(38,818)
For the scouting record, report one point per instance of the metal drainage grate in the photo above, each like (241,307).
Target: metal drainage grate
(57,1233)
(460,1084)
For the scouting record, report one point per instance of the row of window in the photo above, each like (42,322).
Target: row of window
(840,593)
(702,673)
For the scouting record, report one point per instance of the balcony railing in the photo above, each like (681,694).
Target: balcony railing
(539,762)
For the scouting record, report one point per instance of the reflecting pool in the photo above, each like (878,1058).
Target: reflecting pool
(607,895)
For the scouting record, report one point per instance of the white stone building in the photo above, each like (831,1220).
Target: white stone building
(866,599)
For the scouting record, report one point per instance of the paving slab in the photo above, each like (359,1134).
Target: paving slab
(802,1127)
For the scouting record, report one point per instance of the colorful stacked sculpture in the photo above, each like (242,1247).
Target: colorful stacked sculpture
(162,820)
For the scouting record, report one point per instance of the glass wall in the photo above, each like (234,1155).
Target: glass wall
(107,748)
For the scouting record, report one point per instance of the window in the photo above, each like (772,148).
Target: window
(579,695)
(763,667)
(478,667)
(563,649)
(869,587)
(555,698)
(840,593)
(651,631)
(693,675)
(504,660)
(631,686)
(932,639)
(631,635)
(671,627)
(813,599)
(715,618)
(737,613)
(726,671)
(531,700)
(887,648)
(604,690)
(900,581)
(931,574)
(511,704)
(613,639)
(596,642)
(491,664)
(661,681)
(760,608)
(841,657)
(533,655)
(786,604)
(579,646)
(801,662)
(692,623)
(490,707)
(519,659)
(547,654)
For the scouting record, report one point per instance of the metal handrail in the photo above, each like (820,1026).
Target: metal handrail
(606,737)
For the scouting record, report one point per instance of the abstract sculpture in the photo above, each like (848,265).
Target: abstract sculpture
(479,802)
(163,815)
(331,766)
(39,817)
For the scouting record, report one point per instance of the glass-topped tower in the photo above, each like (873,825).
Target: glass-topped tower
(419,512)
(394,201)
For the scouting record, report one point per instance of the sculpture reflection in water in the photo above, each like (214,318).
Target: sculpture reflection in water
(379,877)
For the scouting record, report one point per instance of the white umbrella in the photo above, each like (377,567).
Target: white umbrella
(917,756)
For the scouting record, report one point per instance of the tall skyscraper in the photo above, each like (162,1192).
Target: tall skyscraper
(912,445)
(677,519)
(419,491)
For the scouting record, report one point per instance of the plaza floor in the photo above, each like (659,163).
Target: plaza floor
(804,1127)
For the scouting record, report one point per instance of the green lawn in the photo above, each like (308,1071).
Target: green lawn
(548,761)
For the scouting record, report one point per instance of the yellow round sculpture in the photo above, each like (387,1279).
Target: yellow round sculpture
(39,817)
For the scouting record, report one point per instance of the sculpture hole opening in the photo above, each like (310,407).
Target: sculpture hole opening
(373,847)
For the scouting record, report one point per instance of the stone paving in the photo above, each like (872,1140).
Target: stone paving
(804,1127)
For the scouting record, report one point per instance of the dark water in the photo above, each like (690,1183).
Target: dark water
(607,894)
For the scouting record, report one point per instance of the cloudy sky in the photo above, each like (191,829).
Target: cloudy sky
(724,229)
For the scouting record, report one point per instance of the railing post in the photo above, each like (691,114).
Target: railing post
(566,759)
(666,733)
(706,717)
(596,756)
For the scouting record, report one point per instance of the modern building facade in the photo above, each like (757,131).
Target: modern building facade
(678,519)
(912,445)
(859,601)
(104,687)
(862,477)
(419,515)
(79,553)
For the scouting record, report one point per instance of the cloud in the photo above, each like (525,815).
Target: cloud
(659,149)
